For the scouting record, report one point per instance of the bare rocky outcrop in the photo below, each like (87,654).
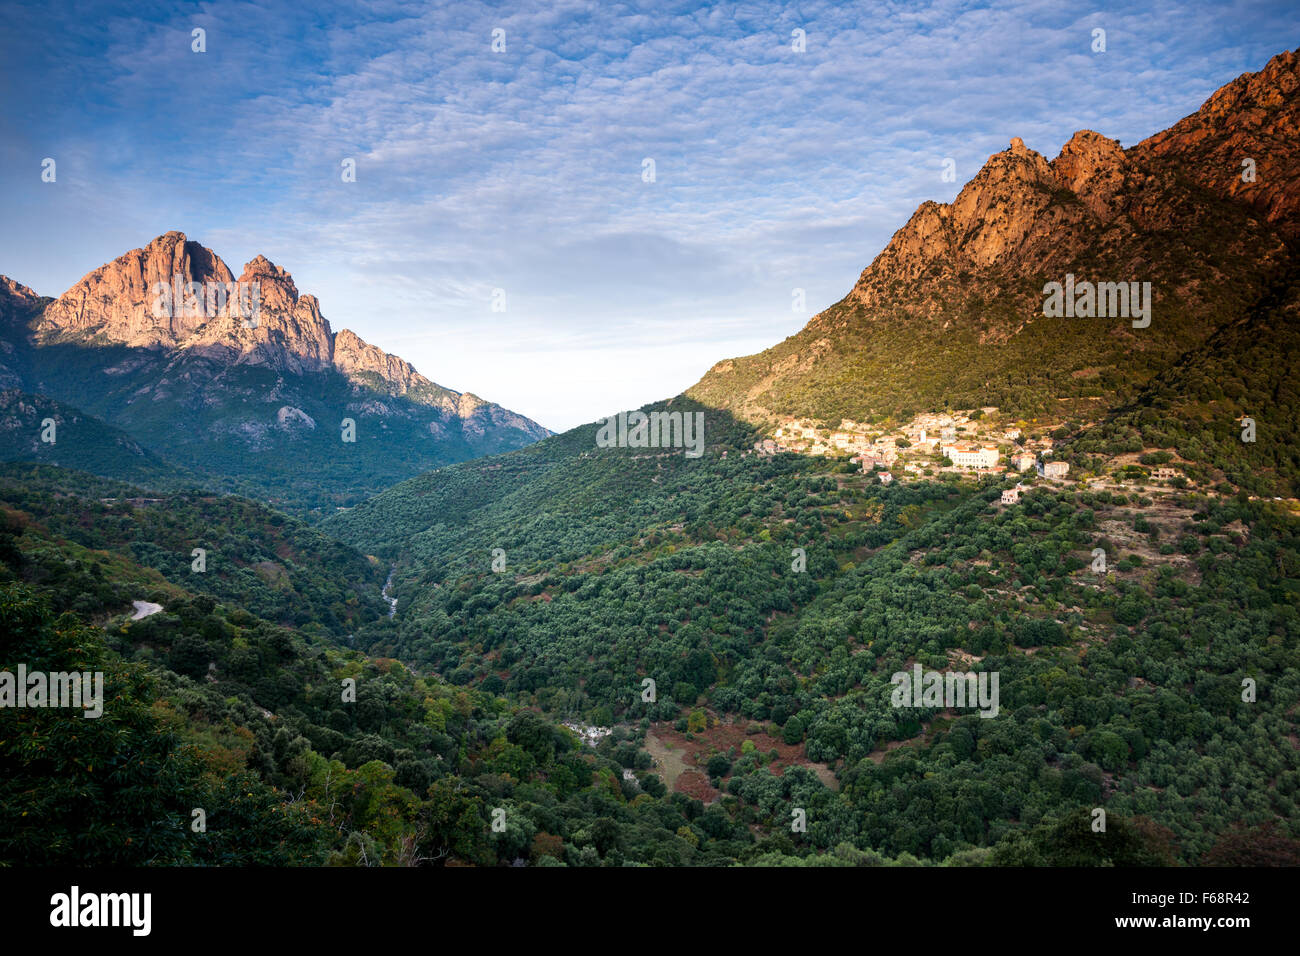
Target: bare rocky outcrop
(1022,209)
(290,417)
(1018,208)
(116,301)
(15,295)
(182,343)
(116,304)
(1092,167)
(1254,118)
(355,357)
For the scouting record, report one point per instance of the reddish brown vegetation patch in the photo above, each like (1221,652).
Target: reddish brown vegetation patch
(694,784)
(720,738)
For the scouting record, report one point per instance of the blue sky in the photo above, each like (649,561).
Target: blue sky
(522,170)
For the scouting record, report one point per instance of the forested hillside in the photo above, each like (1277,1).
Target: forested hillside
(39,429)
(1121,690)
(252,557)
(1197,408)
(210,707)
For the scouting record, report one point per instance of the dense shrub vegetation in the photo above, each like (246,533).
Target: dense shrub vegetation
(1120,690)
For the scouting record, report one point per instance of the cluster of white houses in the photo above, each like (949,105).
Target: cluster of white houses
(927,433)
(986,455)
(977,448)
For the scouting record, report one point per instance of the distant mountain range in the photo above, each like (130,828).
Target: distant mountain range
(239,380)
(951,314)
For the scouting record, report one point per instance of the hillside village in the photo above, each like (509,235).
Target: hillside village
(977,441)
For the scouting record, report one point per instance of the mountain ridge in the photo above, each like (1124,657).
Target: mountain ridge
(116,303)
(240,378)
(949,312)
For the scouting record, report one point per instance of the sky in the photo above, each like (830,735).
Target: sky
(567,208)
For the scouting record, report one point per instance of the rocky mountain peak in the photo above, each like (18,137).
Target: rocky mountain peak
(260,319)
(957,287)
(15,299)
(10,289)
(1086,155)
(1242,142)
(118,302)
(1092,167)
(278,290)
(355,357)
(987,223)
